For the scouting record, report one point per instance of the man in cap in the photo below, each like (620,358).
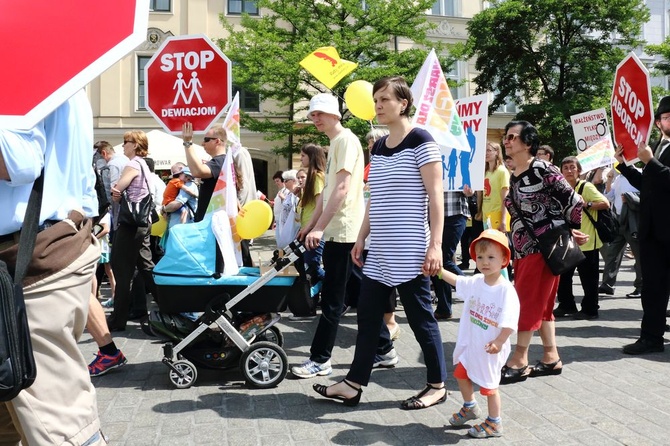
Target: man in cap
(337,219)
(653,183)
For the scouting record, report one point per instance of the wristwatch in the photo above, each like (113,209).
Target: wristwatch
(589,204)
(188,143)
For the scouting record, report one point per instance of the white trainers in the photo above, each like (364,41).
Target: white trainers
(310,369)
(465,414)
(386,361)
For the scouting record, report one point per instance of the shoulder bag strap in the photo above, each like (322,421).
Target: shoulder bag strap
(29,230)
(146,181)
(588,214)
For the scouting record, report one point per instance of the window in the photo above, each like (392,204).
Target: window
(508,107)
(160,5)
(453,78)
(249,102)
(444,7)
(241,6)
(141,64)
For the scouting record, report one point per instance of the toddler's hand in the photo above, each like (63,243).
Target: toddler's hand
(492,348)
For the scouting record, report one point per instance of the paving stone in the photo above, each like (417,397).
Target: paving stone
(602,397)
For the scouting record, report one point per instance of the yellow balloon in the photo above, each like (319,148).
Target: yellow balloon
(254,219)
(358,97)
(158,228)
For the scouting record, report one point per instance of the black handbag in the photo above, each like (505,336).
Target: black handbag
(557,245)
(607,225)
(17,363)
(139,214)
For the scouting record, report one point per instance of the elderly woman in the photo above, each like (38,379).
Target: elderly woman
(544,198)
(397,216)
(571,169)
(131,243)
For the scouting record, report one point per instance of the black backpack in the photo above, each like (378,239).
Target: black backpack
(17,364)
(607,225)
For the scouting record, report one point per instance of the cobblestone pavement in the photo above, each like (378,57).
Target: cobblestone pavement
(603,397)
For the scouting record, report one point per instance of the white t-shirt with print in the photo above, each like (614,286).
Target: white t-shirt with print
(486,311)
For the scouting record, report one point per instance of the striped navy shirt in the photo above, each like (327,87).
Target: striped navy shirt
(399,233)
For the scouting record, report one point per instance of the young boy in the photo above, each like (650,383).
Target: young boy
(176,184)
(490,316)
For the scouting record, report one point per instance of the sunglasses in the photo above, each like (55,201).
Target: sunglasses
(511,137)
(126,142)
(208,138)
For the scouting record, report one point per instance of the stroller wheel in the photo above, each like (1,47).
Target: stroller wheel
(273,335)
(189,372)
(264,365)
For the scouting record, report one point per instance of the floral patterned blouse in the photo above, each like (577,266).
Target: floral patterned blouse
(545,199)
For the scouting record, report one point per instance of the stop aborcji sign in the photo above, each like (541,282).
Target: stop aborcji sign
(188,80)
(51,49)
(631,104)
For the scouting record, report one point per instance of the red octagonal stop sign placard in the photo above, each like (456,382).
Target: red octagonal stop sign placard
(188,80)
(632,114)
(50,49)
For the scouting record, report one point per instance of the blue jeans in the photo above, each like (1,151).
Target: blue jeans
(373,336)
(451,235)
(312,261)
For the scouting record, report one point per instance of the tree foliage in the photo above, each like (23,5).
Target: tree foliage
(554,58)
(267,49)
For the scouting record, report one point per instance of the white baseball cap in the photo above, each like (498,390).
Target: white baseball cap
(325,103)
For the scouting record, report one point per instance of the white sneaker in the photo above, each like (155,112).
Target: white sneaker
(310,369)
(295,318)
(386,361)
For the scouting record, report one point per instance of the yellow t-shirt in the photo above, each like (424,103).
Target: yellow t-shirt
(492,203)
(345,153)
(590,193)
(306,212)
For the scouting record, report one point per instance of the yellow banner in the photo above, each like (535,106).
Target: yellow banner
(325,65)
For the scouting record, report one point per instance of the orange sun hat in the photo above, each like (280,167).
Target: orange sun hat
(496,236)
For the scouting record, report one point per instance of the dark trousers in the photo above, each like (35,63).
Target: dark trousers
(469,235)
(246,253)
(451,235)
(655,288)
(612,254)
(588,274)
(129,251)
(337,263)
(373,336)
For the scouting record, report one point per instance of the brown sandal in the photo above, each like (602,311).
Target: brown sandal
(414,403)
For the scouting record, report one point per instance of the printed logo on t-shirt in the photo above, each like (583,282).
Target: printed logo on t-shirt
(484,315)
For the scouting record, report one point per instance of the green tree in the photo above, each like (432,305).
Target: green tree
(554,58)
(267,49)
(662,68)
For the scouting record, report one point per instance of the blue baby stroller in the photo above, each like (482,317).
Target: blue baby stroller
(236,317)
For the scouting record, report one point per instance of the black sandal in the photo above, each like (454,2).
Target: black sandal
(414,403)
(544,369)
(354,400)
(510,375)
